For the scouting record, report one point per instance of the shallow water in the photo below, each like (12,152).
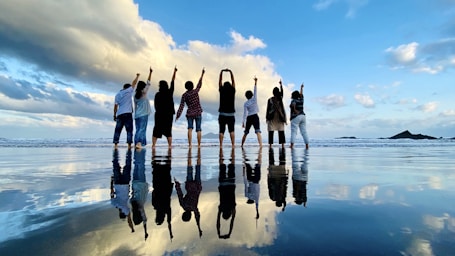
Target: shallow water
(338,198)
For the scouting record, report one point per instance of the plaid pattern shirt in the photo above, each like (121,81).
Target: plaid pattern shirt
(191,98)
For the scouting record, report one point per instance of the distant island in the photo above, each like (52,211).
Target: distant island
(210,135)
(407,135)
(347,137)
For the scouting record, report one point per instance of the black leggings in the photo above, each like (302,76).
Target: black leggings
(281,138)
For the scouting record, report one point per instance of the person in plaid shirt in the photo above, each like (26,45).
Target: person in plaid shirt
(194,111)
(193,187)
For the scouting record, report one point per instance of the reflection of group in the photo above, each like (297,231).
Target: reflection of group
(132,101)
(129,187)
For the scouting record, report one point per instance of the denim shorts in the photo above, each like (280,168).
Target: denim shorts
(198,120)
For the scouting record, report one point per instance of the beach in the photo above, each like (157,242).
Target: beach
(340,197)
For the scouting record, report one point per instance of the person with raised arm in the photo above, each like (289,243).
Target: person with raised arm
(227,107)
(164,111)
(123,112)
(276,115)
(142,111)
(194,111)
(298,118)
(250,114)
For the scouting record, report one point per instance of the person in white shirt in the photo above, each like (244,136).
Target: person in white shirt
(250,114)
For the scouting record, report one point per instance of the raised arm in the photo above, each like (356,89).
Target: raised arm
(173,79)
(255,87)
(150,74)
(133,84)
(199,84)
(301,90)
(281,88)
(232,78)
(220,81)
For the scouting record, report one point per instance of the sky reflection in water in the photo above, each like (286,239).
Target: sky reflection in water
(329,201)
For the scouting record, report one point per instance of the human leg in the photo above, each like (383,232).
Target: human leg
(231,123)
(198,120)
(294,127)
(281,138)
(303,131)
(118,131)
(270,138)
(129,128)
(222,128)
(190,130)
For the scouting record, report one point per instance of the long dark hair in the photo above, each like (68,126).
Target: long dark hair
(140,87)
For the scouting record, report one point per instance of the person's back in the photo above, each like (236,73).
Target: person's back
(227,99)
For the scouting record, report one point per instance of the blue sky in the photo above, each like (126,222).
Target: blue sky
(371,68)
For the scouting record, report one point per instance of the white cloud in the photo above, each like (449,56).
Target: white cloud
(332,101)
(364,100)
(428,107)
(403,54)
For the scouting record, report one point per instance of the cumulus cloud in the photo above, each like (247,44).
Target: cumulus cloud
(431,58)
(364,100)
(332,101)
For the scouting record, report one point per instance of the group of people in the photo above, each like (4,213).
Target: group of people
(126,106)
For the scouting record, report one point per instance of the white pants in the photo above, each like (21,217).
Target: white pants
(299,122)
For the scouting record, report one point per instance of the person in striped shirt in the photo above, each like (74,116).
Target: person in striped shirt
(250,114)
(194,111)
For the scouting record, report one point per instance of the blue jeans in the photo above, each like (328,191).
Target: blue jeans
(124,120)
(198,120)
(299,122)
(141,129)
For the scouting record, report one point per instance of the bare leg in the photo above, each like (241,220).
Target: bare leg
(243,140)
(306,146)
(232,135)
(199,139)
(169,142)
(221,137)
(129,145)
(259,139)
(190,136)
(154,141)
(138,145)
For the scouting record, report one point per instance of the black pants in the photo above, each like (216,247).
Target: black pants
(281,138)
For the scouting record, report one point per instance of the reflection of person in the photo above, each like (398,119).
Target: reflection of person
(164,111)
(226,188)
(194,111)
(298,118)
(276,115)
(250,114)
(251,178)
(227,107)
(140,189)
(277,179)
(162,189)
(142,111)
(120,187)
(299,177)
(193,187)
(123,112)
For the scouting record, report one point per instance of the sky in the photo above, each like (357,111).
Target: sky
(371,68)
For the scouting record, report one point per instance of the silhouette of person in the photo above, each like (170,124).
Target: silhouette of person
(140,189)
(123,112)
(250,114)
(226,110)
(226,188)
(120,186)
(162,189)
(164,111)
(194,111)
(276,115)
(277,179)
(299,177)
(193,187)
(251,178)
(298,119)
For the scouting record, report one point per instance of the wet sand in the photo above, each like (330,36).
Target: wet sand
(322,201)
